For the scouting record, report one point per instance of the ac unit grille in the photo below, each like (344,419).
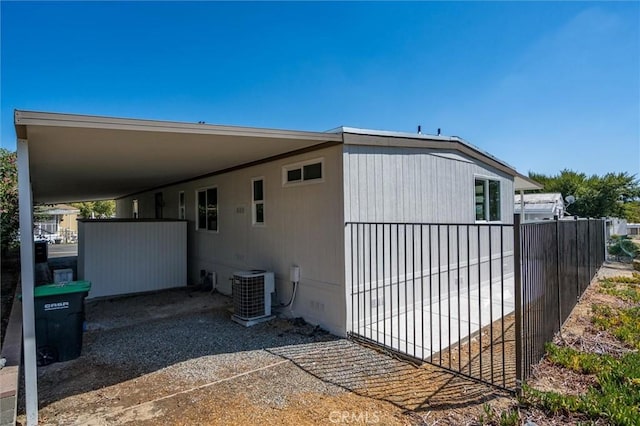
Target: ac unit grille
(249,296)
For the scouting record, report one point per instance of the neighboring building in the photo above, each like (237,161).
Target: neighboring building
(57,224)
(633,229)
(540,206)
(616,226)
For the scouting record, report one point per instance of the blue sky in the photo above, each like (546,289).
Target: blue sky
(543,86)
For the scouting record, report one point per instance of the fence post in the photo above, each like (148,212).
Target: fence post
(575,218)
(517,272)
(558,274)
(591,271)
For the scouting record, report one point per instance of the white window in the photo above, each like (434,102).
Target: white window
(257,200)
(207,208)
(305,172)
(181,206)
(134,207)
(487,196)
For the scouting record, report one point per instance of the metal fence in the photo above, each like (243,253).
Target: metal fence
(440,293)
(558,259)
(446,293)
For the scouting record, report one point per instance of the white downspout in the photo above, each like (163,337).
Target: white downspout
(27,272)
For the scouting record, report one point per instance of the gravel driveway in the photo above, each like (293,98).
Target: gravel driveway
(175,357)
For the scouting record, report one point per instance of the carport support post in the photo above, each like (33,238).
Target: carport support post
(27,261)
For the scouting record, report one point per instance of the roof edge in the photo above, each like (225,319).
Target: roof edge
(23,118)
(525,183)
(426,137)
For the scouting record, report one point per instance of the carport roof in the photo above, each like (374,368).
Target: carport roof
(81,157)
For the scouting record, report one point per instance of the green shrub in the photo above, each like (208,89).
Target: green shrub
(623,247)
(616,396)
(622,323)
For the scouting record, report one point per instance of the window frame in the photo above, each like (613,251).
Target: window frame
(158,205)
(255,203)
(217,209)
(487,202)
(300,166)
(182,205)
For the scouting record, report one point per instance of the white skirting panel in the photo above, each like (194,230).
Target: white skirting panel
(132,256)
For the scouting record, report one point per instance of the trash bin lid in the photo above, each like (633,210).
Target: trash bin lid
(62,288)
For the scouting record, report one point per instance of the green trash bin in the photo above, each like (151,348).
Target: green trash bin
(59,314)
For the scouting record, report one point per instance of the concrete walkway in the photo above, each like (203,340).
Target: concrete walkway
(425,329)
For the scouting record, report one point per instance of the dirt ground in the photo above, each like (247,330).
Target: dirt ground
(579,333)
(316,380)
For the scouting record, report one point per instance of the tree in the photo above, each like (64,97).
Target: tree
(9,217)
(612,194)
(96,209)
(632,211)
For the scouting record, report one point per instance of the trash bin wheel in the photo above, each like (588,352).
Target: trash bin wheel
(46,355)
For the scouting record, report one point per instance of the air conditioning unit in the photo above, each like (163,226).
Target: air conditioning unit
(252,296)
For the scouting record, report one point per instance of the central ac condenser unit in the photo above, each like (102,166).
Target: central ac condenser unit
(252,296)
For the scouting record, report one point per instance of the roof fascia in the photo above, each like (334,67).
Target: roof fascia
(436,143)
(22,119)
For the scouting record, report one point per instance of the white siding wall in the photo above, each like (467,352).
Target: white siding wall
(385,184)
(131,257)
(304,225)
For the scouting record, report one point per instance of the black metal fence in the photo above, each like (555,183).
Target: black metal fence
(476,299)
(558,259)
(440,293)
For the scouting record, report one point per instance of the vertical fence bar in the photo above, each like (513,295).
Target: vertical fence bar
(469,295)
(502,314)
(377,288)
(389,251)
(480,300)
(557,230)
(459,295)
(430,297)
(397,226)
(391,285)
(353,281)
(578,290)
(366,295)
(406,315)
(439,302)
(384,288)
(448,294)
(589,250)
(413,284)
(360,279)
(422,290)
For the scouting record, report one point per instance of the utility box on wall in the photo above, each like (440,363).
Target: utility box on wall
(123,256)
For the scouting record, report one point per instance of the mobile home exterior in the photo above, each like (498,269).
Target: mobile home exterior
(296,210)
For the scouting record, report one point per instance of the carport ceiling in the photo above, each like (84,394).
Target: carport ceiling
(79,157)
